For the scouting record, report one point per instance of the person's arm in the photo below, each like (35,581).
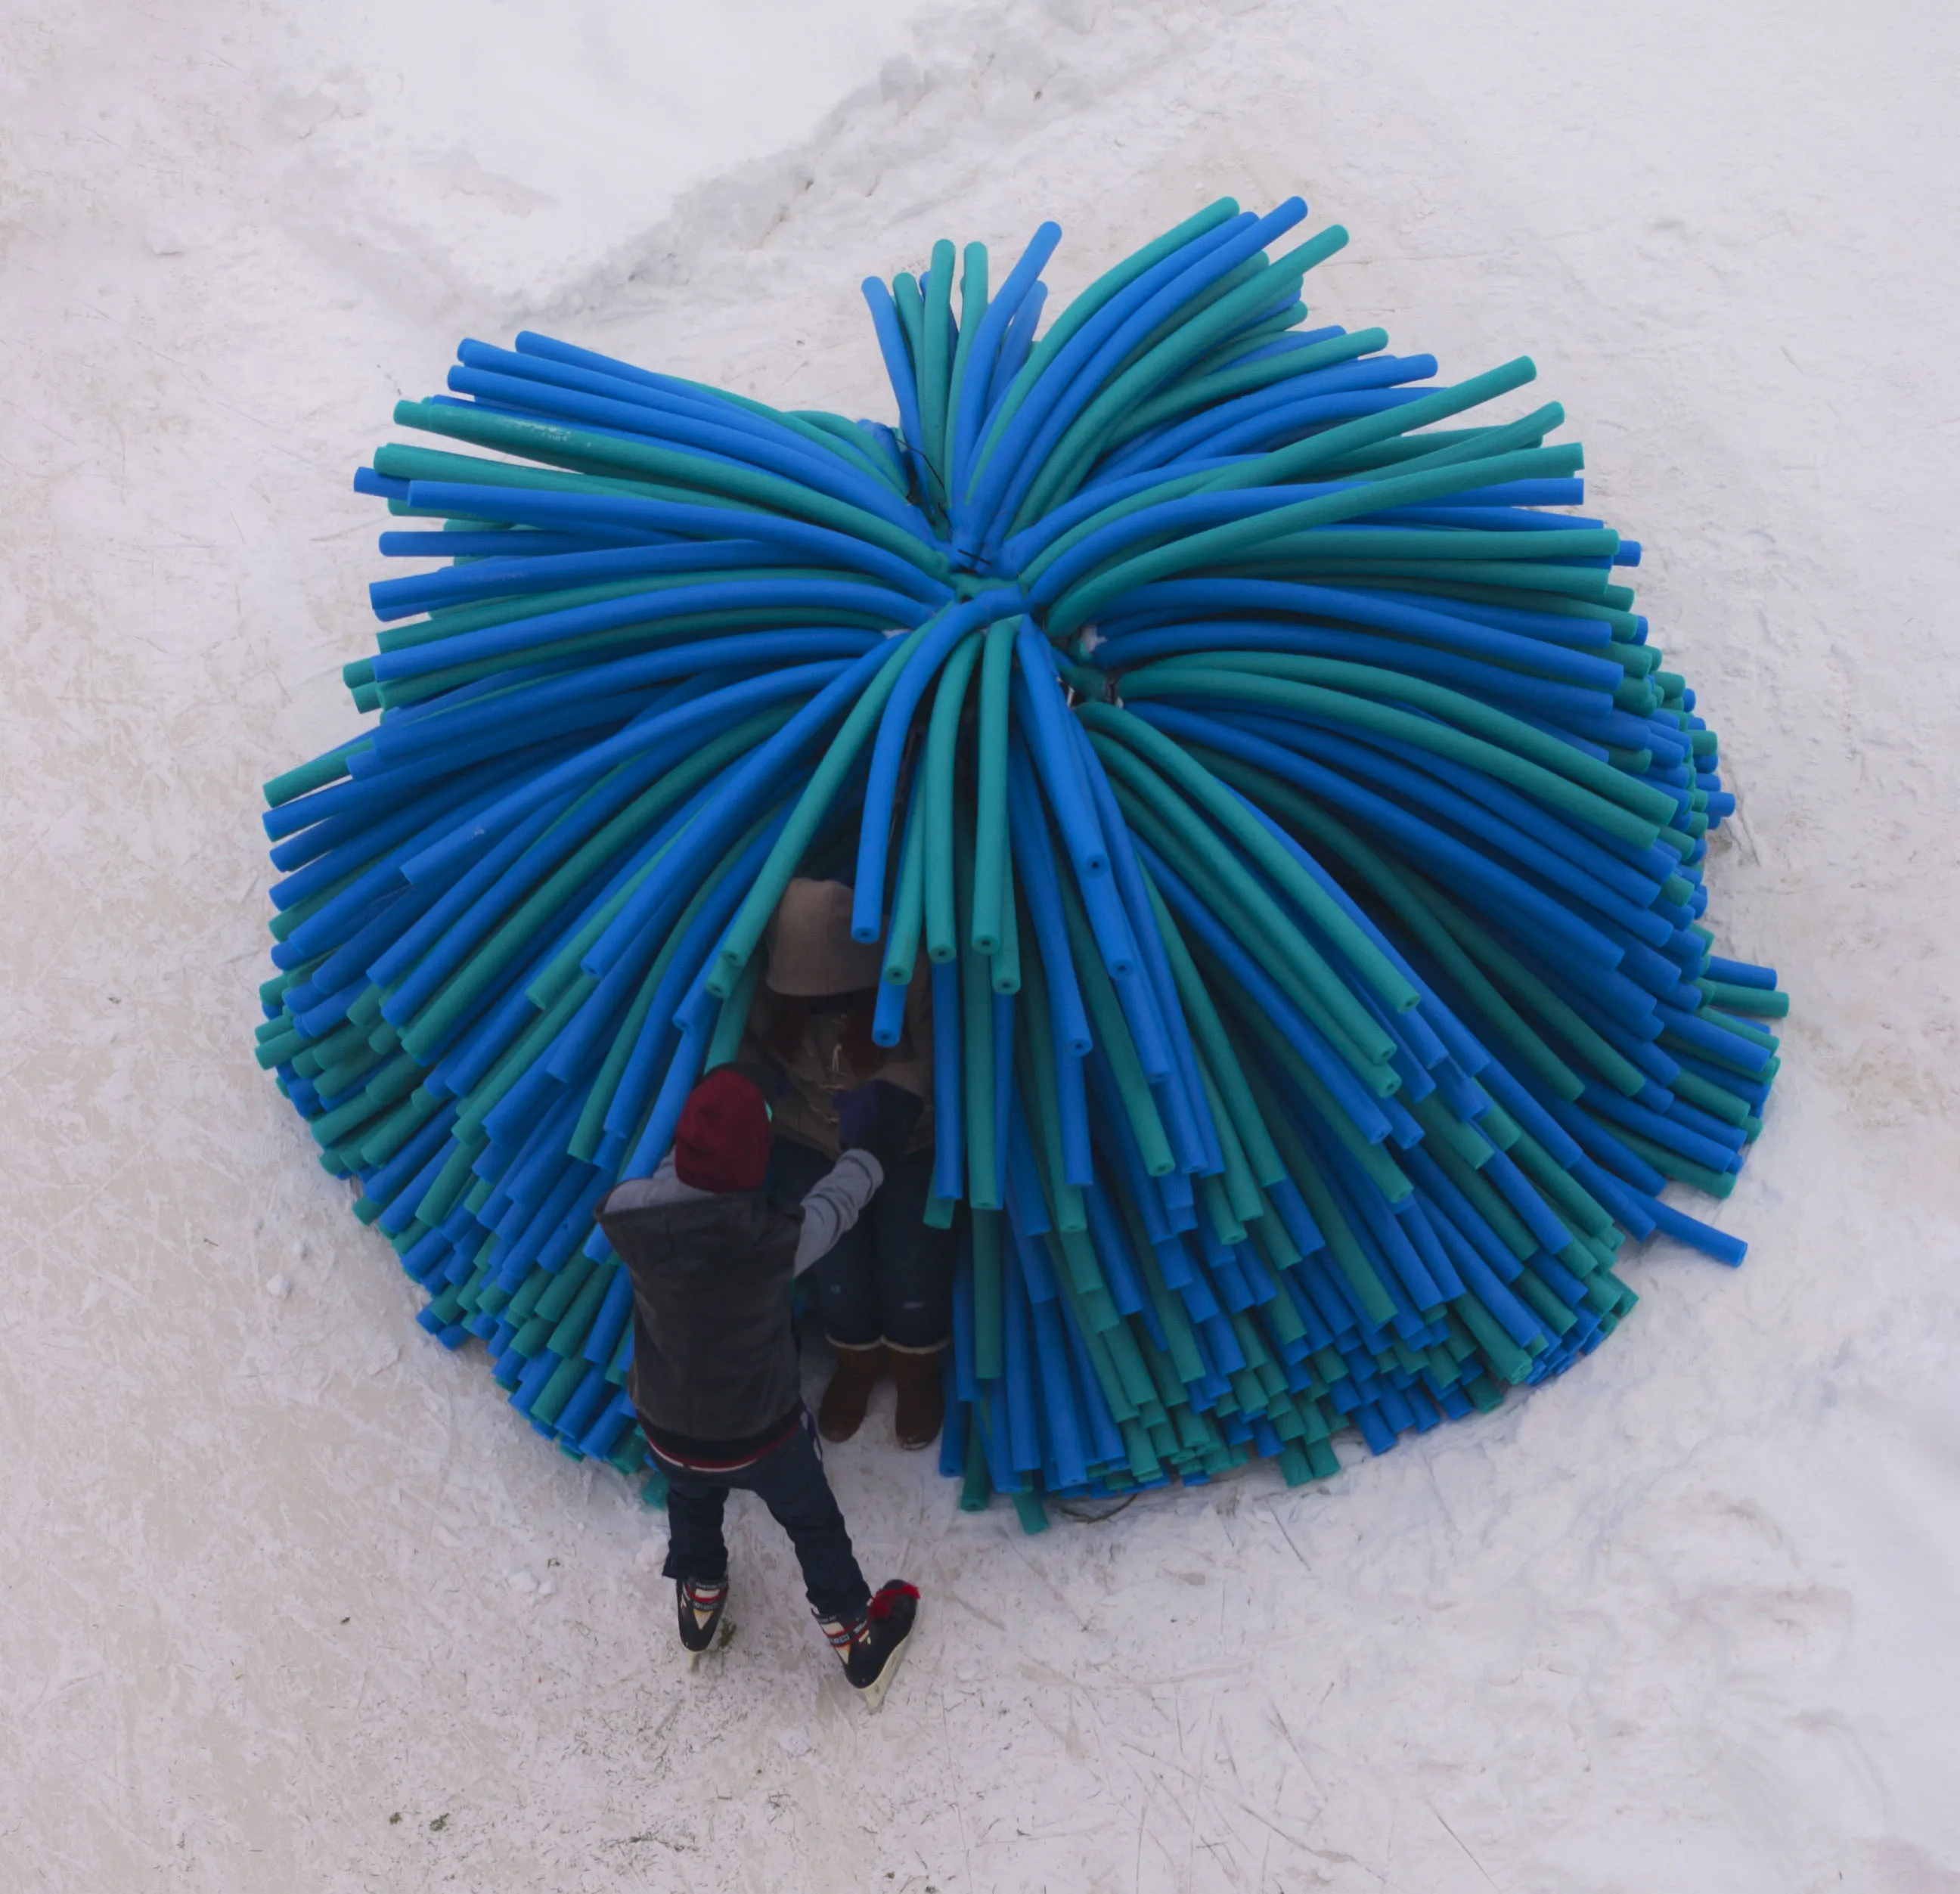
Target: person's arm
(873,1123)
(834,1203)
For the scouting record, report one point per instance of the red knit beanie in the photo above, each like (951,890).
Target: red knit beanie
(722,1142)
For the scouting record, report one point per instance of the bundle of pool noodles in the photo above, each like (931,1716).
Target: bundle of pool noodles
(1300,837)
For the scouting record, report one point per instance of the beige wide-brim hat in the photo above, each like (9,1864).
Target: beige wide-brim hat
(810,949)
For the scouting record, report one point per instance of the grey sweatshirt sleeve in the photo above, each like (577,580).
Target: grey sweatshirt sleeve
(834,1203)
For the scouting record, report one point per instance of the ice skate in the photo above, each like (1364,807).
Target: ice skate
(872,1647)
(698,1605)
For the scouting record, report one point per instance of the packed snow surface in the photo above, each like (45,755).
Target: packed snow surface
(290,1600)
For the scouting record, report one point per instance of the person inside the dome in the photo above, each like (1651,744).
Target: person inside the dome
(885,1292)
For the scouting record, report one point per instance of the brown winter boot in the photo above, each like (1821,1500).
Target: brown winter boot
(840,1412)
(922,1402)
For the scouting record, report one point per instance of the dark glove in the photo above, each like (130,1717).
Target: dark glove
(878,1118)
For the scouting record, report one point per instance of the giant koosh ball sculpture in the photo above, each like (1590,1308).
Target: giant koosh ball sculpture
(1301,835)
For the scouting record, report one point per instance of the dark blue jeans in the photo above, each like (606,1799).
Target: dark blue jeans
(789,1480)
(890,1276)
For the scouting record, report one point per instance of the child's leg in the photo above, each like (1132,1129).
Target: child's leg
(911,1262)
(843,1288)
(695,1548)
(844,1291)
(841,1283)
(789,1482)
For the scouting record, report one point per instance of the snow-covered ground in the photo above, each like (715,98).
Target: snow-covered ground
(290,1600)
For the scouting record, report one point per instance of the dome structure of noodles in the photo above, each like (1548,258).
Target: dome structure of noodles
(1246,737)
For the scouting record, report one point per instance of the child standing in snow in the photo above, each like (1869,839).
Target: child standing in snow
(715,1377)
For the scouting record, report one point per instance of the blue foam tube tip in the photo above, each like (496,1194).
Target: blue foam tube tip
(1684,1229)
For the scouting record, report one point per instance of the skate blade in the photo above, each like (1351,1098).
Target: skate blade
(723,1637)
(873,1694)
